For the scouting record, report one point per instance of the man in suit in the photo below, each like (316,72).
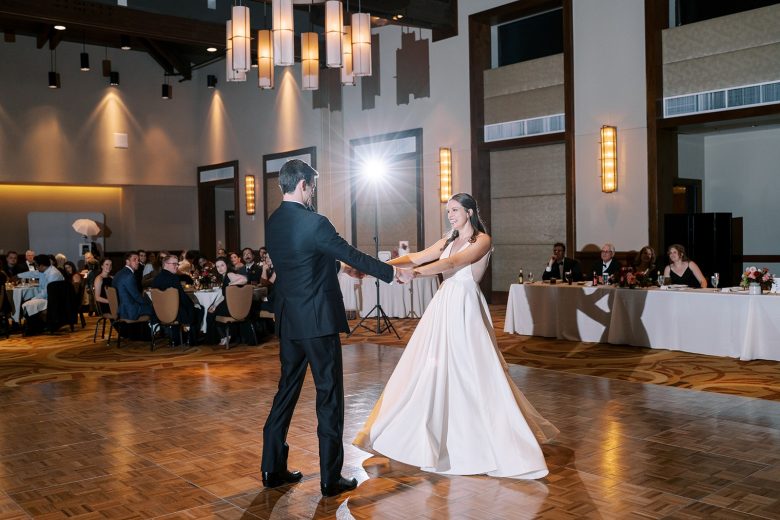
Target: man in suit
(608,266)
(559,265)
(250,269)
(131,303)
(12,265)
(188,315)
(309,316)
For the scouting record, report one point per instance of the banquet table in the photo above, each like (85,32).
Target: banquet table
(19,295)
(702,321)
(206,297)
(396,299)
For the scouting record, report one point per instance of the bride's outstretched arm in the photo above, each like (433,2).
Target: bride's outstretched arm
(426,255)
(466,256)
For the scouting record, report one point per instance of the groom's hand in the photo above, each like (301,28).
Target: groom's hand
(351,271)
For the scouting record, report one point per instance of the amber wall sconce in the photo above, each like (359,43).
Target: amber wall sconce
(249,188)
(608,158)
(445,174)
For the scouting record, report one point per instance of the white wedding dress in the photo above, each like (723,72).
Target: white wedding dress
(450,406)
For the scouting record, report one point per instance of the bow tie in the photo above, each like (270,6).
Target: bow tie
(605,265)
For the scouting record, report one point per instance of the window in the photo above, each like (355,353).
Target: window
(530,38)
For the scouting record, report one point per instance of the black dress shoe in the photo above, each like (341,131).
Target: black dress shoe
(272,479)
(337,488)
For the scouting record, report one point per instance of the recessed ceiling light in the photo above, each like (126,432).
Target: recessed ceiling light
(60,27)
(211,49)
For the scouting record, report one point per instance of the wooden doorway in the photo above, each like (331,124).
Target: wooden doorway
(218,193)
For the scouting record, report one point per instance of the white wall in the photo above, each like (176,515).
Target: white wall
(690,157)
(609,88)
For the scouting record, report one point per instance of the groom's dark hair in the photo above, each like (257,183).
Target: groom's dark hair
(292,172)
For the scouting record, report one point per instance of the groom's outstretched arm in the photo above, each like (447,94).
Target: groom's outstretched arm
(329,242)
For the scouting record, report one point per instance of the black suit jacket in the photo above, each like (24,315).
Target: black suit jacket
(307,297)
(569,264)
(612,270)
(253,273)
(165,280)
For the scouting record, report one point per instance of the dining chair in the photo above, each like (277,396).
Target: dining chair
(239,303)
(113,305)
(5,328)
(166,308)
(103,318)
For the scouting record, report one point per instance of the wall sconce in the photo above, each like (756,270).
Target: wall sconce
(249,188)
(445,174)
(608,159)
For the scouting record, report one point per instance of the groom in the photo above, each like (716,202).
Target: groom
(309,315)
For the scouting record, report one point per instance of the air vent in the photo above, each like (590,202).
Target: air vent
(524,128)
(714,100)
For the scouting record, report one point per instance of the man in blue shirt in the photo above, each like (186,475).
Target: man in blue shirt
(46,274)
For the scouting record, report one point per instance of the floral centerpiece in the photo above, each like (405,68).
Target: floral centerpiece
(207,277)
(630,279)
(760,276)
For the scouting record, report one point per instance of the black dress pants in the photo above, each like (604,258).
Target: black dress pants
(324,356)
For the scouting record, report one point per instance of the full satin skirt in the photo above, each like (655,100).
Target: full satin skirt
(450,406)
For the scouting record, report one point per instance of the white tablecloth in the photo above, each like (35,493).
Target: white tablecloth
(205,299)
(695,320)
(19,295)
(396,299)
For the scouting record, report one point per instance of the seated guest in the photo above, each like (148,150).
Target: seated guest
(221,252)
(152,269)
(682,270)
(235,262)
(250,269)
(204,264)
(29,258)
(151,259)
(644,263)
(188,315)
(261,254)
(131,304)
(72,275)
(184,272)
(12,266)
(608,265)
(61,259)
(559,265)
(102,281)
(45,274)
(219,307)
(268,275)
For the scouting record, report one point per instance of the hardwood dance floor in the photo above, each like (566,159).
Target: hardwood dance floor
(101,433)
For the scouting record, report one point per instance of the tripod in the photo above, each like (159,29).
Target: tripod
(411,313)
(382,321)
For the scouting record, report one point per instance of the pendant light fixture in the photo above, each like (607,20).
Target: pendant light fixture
(84,55)
(54,76)
(167,88)
(334,29)
(230,73)
(361,43)
(347,78)
(284,44)
(113,78)
(310,58)
(265,55)
(241,39)
(106,65)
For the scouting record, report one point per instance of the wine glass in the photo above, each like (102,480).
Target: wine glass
(530,277)
(715,279)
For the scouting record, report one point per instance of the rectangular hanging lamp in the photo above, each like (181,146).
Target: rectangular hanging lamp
(445,174)
(347,78)
(310,61)
(608,157)
(265,59)
(230,73)
(284,34)
(241,39)
(334,30)
(361,44)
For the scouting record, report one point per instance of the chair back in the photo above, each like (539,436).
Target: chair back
(113,302)
(239,300)
(166,305)
(61,307)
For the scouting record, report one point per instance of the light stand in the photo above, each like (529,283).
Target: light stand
(411,313)
(382,321)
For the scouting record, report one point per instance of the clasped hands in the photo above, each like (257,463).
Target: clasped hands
(401,275)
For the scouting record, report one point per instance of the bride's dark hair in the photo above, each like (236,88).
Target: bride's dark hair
(468,203)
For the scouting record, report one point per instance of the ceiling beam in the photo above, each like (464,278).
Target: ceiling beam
(166,65)
(181,65)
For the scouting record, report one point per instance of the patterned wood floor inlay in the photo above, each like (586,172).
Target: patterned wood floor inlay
(177,434)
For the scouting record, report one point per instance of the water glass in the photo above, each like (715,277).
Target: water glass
(715,279)
(530,277)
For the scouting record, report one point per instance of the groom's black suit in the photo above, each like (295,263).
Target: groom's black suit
(309,312)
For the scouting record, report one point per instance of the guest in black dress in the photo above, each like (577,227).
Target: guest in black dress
(644,263)
(219,307)
(103,280)
(682,270)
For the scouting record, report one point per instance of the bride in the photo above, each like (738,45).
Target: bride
(450,406)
